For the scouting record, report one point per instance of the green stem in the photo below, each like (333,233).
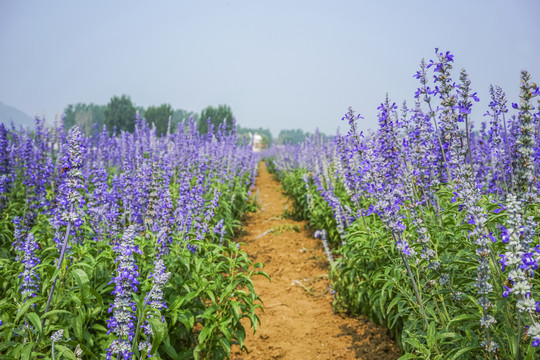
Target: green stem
(418,297)
(444,307)
(415,288)
(435,301)
(137,334)
(518,335)
(51,292)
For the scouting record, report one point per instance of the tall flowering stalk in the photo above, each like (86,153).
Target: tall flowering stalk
(70,200)
(525,182)
(464,108)
(520,258)
(122,323)
(99,204)
(461,176)
(154,300)
(448,124)
(479,235)
(500,98)
(498,143)
(26,247)
(153,198)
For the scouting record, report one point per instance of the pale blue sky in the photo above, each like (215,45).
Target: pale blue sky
(278,64)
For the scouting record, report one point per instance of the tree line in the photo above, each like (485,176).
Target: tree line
(119,115)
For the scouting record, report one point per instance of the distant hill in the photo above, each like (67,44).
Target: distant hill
(9,114)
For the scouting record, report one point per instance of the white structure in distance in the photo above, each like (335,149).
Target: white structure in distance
(256,142)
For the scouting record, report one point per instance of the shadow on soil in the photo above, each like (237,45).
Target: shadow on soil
(369,342)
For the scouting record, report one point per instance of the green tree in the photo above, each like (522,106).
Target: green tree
(217,116)
(292,137)
(160,117)
(181,115)
(120,112)
(86,116)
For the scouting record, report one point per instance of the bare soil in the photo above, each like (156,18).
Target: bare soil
(298,321)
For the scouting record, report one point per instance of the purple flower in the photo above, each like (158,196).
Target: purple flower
(159,278)
(27,256)
(220,230)
(122,323)
(191,247)
(505,236)
(154,299)
(5,165)
(502,261)
(529,261)
(70,199)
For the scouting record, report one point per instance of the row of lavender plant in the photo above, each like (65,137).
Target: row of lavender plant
(120,246)
(428,199)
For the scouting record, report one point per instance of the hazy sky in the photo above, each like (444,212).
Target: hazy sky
(278,64)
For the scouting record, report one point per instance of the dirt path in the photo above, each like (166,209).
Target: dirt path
(298,321)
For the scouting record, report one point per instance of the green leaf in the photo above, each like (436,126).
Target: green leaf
(7,344)
(407,357)
(55,275)
(159,330)
(99,327)
(207,330)
(25,307)
(82,280)
(35,320)
(26,351)
(236,310)
(98,297)
(169,349)
(55,312)
(211,296)
(65,351)
(396,300)
(225,331)
(531,353)
(226,345)
(188,321)
(460,318)
(463,351)
(446,335)
(431,335)
(78,323)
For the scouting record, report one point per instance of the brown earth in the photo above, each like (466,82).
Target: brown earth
(298,321)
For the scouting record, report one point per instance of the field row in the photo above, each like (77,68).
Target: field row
(430,225)
(121,246)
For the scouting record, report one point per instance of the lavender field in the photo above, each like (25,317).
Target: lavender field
(430,223)
(120,247)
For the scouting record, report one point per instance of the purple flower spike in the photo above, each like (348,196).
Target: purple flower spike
(122,323)
(28,257)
